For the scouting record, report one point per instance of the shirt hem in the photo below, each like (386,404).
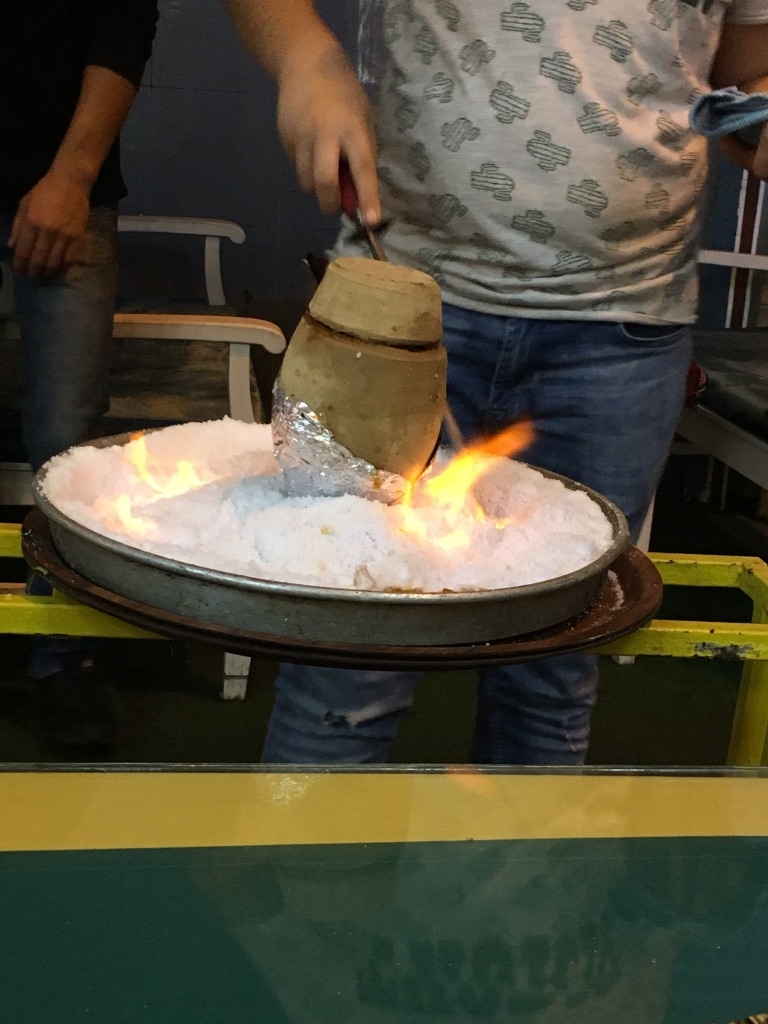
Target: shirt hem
(508,309)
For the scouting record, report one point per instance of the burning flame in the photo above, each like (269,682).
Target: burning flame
(438,509)
(124,512)
(182,479)
(450,490)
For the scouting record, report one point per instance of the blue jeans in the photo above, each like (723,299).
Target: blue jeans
(66,338)
(604,399)
(66,332)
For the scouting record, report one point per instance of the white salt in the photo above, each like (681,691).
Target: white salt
(236,517)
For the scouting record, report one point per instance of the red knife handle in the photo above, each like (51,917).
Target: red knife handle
(349,200)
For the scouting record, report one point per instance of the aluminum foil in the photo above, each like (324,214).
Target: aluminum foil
(315,465)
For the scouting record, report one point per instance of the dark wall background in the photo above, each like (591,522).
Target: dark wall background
(201,141)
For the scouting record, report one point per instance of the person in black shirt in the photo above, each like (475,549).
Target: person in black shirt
(71,70)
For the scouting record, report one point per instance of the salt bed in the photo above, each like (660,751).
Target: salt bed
(240,520)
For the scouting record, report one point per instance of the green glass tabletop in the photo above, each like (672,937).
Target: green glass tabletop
(417,896)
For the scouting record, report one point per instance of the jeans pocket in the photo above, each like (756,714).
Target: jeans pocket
(98,246)
(653,333)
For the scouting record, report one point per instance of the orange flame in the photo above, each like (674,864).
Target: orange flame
(451,489)
(184,477)
(124,512)
(136,454)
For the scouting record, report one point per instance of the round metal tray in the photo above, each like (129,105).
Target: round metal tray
(303,613)
(627,599)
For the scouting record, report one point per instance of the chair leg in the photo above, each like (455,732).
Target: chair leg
(266,367)
(235,683)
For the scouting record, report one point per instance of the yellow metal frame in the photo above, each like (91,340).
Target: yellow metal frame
(135,810)
(740,641)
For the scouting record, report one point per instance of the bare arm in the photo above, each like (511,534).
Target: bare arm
(52,216)
(323,114)
(742,60)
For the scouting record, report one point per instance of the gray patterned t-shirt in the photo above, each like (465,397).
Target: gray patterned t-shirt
(536,157)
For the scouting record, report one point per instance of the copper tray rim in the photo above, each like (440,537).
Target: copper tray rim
(589,629)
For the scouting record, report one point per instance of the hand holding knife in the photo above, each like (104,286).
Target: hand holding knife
(350,205)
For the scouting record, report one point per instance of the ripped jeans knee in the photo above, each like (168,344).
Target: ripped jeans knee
(336,716)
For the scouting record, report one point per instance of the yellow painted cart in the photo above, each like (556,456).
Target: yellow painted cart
(742,641)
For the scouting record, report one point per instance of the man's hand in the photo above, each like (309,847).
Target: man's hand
(48,226)
(52,218)
(742,60)
(753,160)
(323,116)
(323,113)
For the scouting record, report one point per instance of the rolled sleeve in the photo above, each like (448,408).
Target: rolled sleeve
(121,40)
(747,12)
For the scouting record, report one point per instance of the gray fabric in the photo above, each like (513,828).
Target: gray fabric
(536,157)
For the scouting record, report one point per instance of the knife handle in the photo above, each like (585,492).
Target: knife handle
(350,205)
(349,200)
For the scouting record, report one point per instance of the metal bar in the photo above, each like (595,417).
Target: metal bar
(750,721)
(62,616)
(727,258)
(753,582)
(702,570)
(749,731)
(720,438)
(10,540)
(733,641)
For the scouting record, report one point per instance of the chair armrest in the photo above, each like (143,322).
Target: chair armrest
(237,331)
(182,226)
(212,230)
(186,327)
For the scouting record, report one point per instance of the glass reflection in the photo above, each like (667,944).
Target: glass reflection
(648,930)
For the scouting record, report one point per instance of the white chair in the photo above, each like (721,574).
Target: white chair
(239,334)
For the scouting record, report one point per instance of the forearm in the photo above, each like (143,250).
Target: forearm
(323,113)
(742,58)
(280,33)
(104,103)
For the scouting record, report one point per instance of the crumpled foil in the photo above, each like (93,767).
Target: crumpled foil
(315,465)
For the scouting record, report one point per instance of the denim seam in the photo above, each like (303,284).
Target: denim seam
(513,351)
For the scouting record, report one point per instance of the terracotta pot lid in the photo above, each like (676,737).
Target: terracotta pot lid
(378,301)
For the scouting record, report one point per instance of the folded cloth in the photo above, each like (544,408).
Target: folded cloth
(726,111)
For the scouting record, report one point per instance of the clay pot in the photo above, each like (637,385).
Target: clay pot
(379,302)
(368,361)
